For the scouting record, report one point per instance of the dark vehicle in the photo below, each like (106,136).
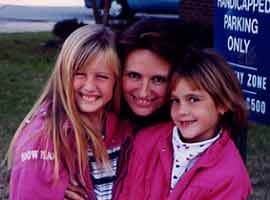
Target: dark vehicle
(88,3)
(128,8)
(154,6)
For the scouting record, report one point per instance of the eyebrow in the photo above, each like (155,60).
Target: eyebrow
(108,73)
(190,93)
(131,71)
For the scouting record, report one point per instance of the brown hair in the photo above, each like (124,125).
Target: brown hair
(160,36)
(209,71)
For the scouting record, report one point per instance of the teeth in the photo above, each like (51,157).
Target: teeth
(89,98)
(186,123)
(143,102)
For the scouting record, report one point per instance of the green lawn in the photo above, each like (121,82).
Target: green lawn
(25,63)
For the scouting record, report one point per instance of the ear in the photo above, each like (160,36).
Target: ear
(222,109)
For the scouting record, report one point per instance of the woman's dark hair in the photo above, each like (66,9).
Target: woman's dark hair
(168,38)
(156,35)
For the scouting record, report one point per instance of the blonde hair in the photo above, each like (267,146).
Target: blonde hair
(80,47)
(207,70)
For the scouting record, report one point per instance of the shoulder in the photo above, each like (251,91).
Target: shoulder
(32,171)
(150,136)
(233,161)
(229,152)
(33,143)
(32,128)
(224,163)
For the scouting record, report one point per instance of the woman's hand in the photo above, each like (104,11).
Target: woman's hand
(75,192)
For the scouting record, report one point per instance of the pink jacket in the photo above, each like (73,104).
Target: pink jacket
(219,174)
(33,166)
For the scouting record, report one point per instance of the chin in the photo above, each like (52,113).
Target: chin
(143,113)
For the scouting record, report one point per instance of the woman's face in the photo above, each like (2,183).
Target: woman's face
(145,81)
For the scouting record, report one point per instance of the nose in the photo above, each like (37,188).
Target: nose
(90,83)
(144,88)
(181,109)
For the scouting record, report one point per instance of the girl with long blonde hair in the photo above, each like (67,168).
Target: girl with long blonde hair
(71,134)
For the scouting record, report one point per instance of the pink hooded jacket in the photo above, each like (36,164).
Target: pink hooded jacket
(219,174)
(33,167)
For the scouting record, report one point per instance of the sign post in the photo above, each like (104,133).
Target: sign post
(242,36)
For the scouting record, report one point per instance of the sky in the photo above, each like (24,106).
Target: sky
(63,3)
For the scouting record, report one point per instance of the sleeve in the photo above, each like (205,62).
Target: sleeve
(32,172)
(34,180)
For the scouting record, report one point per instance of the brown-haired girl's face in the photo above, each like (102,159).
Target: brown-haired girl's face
(93,85)
(145,81)
(194,111)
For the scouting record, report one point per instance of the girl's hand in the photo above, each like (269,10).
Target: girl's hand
(75,192)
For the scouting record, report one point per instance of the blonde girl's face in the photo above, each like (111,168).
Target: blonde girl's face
(194,112)
(93,85)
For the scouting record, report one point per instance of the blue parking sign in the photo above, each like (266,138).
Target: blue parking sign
(242,36)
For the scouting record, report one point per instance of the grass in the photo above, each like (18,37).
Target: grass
(25,64)
(258,160)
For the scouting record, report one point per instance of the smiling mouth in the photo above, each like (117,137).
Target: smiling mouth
(185,124)
(143,102)
(89,98)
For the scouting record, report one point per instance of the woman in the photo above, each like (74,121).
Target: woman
(146,51)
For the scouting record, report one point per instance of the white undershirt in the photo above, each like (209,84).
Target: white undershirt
(186,154)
